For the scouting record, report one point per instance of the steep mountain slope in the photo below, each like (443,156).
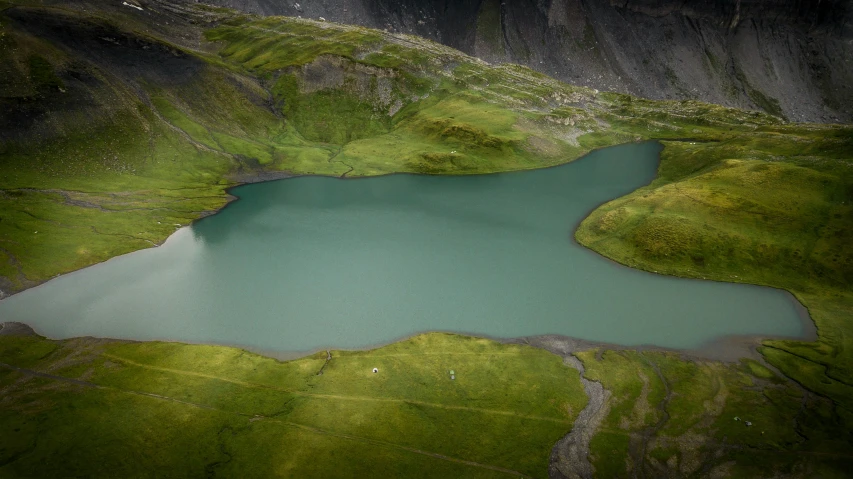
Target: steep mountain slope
(793,59)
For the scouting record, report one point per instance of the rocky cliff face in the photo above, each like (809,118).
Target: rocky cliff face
(792,58)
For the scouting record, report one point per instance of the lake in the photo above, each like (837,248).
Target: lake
(312,262)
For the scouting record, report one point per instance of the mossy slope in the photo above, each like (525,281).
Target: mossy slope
(673,417)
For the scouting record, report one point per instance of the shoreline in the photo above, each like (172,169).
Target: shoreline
(727,348)
(241,179)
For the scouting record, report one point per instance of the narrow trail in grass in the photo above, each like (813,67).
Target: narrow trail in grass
(30,372)
(435,405)
(337,396)
(826,368)
(88,384)
(315,430)
(187,137)
(332,159)
(122,235)
(449,353)
(404,448)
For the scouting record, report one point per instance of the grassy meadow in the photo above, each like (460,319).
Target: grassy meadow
(178,410)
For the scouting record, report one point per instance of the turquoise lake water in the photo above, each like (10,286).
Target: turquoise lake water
(312,262)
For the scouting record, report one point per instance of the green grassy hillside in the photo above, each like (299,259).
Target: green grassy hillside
(772,208)
(176,410)
(102,408)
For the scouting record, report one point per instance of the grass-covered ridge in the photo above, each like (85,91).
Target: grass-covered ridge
(772,208)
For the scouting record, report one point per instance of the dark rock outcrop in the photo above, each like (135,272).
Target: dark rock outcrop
(790,58)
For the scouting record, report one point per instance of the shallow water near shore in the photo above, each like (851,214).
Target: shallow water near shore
(312,262)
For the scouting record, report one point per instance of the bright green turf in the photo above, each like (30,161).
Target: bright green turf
(193,409)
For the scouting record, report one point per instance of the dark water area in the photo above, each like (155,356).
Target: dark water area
(312,262)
